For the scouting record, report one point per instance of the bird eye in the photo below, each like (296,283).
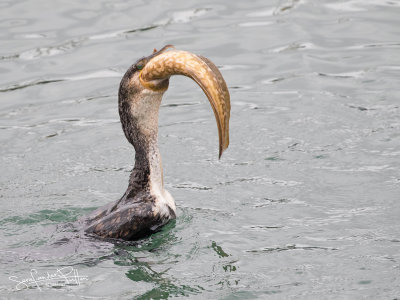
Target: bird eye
(140,64)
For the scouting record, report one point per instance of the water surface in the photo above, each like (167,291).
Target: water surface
(303,205)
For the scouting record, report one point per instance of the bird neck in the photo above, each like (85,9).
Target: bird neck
(139,118)
(148,167)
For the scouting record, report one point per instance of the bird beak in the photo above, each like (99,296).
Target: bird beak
(163,64)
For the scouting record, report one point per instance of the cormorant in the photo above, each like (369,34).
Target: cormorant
(146,205)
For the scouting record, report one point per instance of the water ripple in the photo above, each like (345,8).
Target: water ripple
(359,5)
(192,185)
(50,51)
(288,247)
(25,84)
(262,227)
(70,45)
(105,73)
(262,179)
(376,45)
(355,74)
(180,104)
(294,46)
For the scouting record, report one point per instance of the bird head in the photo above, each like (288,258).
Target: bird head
(145,82)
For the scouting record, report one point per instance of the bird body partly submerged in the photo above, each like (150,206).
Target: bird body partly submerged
(146,205)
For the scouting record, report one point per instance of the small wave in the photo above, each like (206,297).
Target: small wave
(294,47)
(25,84)
(262,227)
(106,73)
(121,32)
(288,6)
(192,186)
(262,179)
(375,45)
(256,24)
(288,247)
(180,104)
(51,50)
(355,74)
(359,5)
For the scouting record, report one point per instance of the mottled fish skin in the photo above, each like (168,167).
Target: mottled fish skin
(206,75)
(146,205)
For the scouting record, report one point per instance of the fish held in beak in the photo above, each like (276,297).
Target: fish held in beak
(163,65)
